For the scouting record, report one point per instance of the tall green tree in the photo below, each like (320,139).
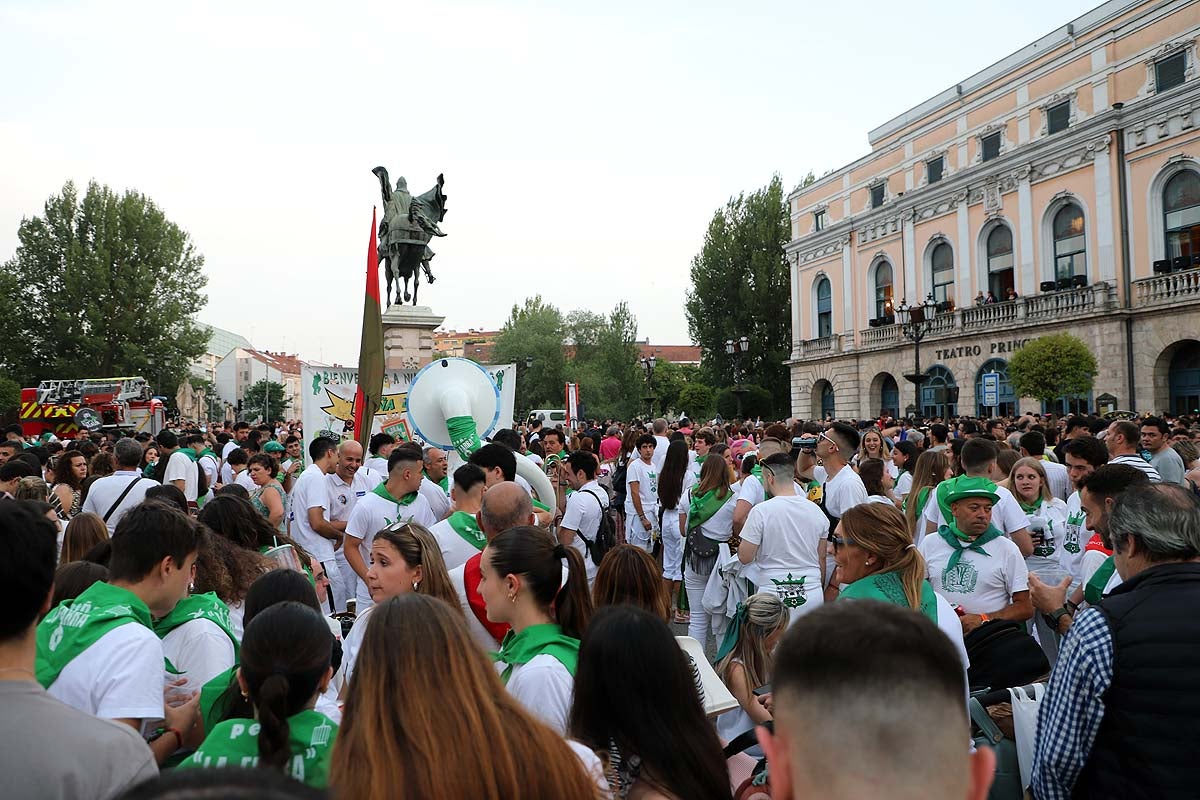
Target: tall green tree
(1049,367)
(604,361)
(534,331)
(268,391)
(741,287)
(102,285)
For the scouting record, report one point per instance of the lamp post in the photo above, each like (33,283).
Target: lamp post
(916,322)
(521,377)
(736,350)
(648,365)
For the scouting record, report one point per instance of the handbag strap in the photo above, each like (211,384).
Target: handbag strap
(121,497)
(984,721)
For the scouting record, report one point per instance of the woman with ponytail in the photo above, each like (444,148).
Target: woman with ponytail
(405,558)
(539,587)
(876,556)
(285,664)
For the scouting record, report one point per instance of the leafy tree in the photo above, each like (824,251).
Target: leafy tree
(252,401)
(10,398)
(697,401)
(102,285)
(756,402)
(535,331)
(741,287)
(604,361)
(1054,366)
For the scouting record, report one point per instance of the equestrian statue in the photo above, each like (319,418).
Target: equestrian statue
(404,233)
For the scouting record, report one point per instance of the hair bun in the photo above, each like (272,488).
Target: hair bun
(560,550)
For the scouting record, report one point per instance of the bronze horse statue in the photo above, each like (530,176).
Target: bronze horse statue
(404,233)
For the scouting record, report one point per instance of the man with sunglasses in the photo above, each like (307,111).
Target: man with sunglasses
(843,489)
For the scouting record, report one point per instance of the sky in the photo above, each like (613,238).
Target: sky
(584,149)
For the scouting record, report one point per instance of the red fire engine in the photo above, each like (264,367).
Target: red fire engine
(67,407)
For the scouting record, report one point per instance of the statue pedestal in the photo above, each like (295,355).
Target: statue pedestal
(408,336)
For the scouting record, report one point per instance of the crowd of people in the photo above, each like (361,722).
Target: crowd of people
(240,612)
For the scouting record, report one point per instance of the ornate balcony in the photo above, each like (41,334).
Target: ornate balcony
(1167,290)
(824,346)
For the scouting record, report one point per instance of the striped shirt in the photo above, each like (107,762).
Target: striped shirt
(1137,462)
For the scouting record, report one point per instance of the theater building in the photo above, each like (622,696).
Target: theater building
(1065,177)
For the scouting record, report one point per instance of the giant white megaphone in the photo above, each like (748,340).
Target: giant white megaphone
(453,404)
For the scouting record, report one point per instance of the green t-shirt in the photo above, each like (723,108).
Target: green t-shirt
(234,743)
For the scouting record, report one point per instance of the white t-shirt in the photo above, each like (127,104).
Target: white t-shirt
(439,501)
(788,530)
(646,477)
(582,514)
(243,479)
(105,492)
(843,492)
(1058,478)
(353,643)
(310,490)
(200,650)
(544,687)
(903,484)
(474,626)
(661,443)
(372,514)
(119,677)
(980,584)
(1076,535)
(343,497)
(180,467)
(1051,517)
(947,621)
(752,491)
(455,549)
(1006,514)
(377,465)
(226,473)
(229,447)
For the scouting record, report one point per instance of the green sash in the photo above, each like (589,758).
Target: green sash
(234,743)
(922,497)
(75,625)
(704,506)
(960,542)
(211,693)
(520,648)
(199,606)
(1093,592)
(887,587)
(467,527)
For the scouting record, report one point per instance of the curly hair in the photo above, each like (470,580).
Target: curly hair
(228,570)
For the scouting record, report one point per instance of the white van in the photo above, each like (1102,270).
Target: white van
(550,417)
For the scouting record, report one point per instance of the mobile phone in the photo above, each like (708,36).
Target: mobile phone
(764,689)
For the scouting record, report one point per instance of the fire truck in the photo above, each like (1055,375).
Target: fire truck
(69,408)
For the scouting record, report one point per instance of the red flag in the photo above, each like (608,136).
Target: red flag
(370,350)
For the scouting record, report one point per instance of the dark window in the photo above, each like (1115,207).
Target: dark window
(877,195)
(934,168)
(819,220)
(883,290)
(1169,72)
(1070,257)
(828,404)
(942,263)
(1181,211)
(991,146)
(1058,117)
(1000,262)
(824,308)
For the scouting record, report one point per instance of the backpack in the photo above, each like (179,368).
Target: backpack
(617,479)
(606,536)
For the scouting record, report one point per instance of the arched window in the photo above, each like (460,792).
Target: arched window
(1005,394)
(941,262)
(827,401)
(939,393)
(1181,209)
(1069,243)
(883,290)
(824,308)
(1000,262)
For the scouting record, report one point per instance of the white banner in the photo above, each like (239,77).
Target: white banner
(329,400)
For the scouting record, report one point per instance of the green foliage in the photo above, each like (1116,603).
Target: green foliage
(741,287)
(605,361)
(535,331)
(102,285)
(10,398)
(252,401)
(697,401)
(1054,366)
(756,402)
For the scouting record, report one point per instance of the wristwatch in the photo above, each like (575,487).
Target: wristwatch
(1052,619)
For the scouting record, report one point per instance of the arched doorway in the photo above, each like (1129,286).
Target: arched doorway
(1183,377)
(823,399)
(889,397)
(939,393)
(1008,398)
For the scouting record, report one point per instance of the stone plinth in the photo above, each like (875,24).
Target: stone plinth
(408,336)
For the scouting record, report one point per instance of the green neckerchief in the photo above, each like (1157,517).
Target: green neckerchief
(1093,592)
(148,471)
(444,483)
(466,526)
(75,625)
(234,743)
(700,459)
(190,453)
(382,491)
(887,586)
(206,452)
(704,506)
(198,606)
(960,542)
(922,497)
(1028,509)
(520,648)
(212,692)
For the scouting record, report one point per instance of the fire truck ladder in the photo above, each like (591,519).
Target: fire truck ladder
(57,392)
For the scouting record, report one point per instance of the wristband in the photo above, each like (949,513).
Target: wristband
(984,618)
(1071,607)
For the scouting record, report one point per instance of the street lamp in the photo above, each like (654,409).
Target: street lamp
(648,365)
(736,350)
(916,322)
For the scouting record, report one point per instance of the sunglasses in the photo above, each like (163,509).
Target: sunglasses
(822,435)
(839,541)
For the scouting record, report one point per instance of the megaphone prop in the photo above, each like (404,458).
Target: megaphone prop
(88,419)
(452,403)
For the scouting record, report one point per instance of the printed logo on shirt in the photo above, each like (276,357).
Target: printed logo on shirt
(791,591)
(1071,537)
(962,579)
(320,735)
(343,499)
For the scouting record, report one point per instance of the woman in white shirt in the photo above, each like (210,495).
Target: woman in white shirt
(708,517)
(904,457)
(873,445)
(405,558)
(746,660)
(538,587)
(1047,525)
(878,482)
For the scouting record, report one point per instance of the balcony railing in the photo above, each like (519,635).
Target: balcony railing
(990,315)
(881,336)
(824,346)
(1167,289)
